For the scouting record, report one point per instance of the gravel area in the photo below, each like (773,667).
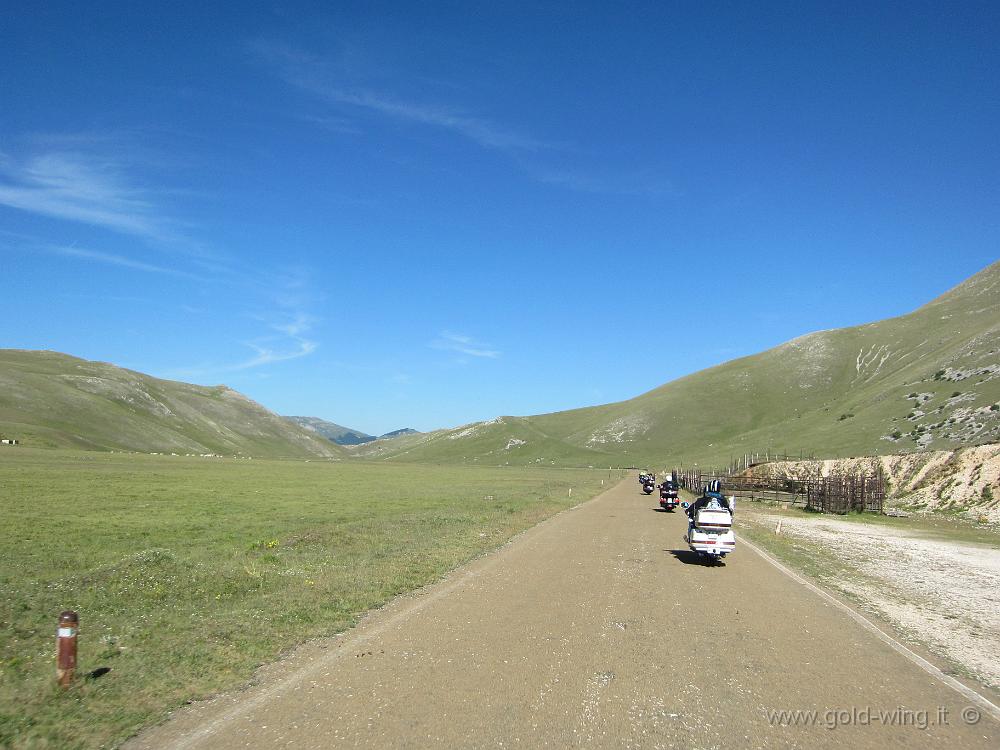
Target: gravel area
(945,594)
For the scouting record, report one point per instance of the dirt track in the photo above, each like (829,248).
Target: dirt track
(594,629)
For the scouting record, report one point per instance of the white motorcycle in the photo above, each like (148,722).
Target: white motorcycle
(710,530)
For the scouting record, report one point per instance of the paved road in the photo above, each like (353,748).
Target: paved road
(594,629)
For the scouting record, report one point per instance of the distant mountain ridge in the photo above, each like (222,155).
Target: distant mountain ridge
(926,380)
(337,433)
(345,435)
(399,433)
(56,400)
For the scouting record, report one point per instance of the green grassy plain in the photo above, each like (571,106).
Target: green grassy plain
(189,573)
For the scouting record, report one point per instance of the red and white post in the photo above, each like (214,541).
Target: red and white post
(69,624)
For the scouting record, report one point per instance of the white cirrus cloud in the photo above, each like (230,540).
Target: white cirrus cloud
(462,344)
(266,354)
(289,340)
(96,256)
(74,186)
(318,77)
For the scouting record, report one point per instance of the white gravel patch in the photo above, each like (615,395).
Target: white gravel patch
(946,594)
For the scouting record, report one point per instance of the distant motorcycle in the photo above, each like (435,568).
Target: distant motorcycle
(668,497)
(648,488)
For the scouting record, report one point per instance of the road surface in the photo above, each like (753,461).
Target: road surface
(595,629)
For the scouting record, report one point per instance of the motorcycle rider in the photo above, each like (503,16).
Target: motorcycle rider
(668,494)
(712,492)
(715,539)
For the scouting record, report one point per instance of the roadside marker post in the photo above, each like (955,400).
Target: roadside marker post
(69,624)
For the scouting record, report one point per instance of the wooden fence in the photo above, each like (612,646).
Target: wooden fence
(745,461)
(834,494)
(862,493)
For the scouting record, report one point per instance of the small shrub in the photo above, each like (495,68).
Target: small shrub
(897,435)
(995,407)
(956,394)
(939,375)
(912,395)
(987,494)
(845,416)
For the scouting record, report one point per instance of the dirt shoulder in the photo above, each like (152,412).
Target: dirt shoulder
(941,593)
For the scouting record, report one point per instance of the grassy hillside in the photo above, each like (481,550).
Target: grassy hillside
(928,379)
(503,441)
(54,400)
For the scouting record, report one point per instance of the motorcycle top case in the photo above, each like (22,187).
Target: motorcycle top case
(713,519)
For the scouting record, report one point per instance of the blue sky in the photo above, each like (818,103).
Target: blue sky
(421,215)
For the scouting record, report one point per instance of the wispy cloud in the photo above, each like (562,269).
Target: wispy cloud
(476,129)
(96,256)
(79,187)
(332,123)
(287,339)
(287,326)
(265,355)
(22,243)
(456,342)
(334,82)
(628,184)
(318,77)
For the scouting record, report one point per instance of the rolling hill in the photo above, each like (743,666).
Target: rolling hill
(925,380)
(55,400)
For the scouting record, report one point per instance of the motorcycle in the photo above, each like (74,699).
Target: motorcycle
(710,531)
(668,499)
(648,488)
